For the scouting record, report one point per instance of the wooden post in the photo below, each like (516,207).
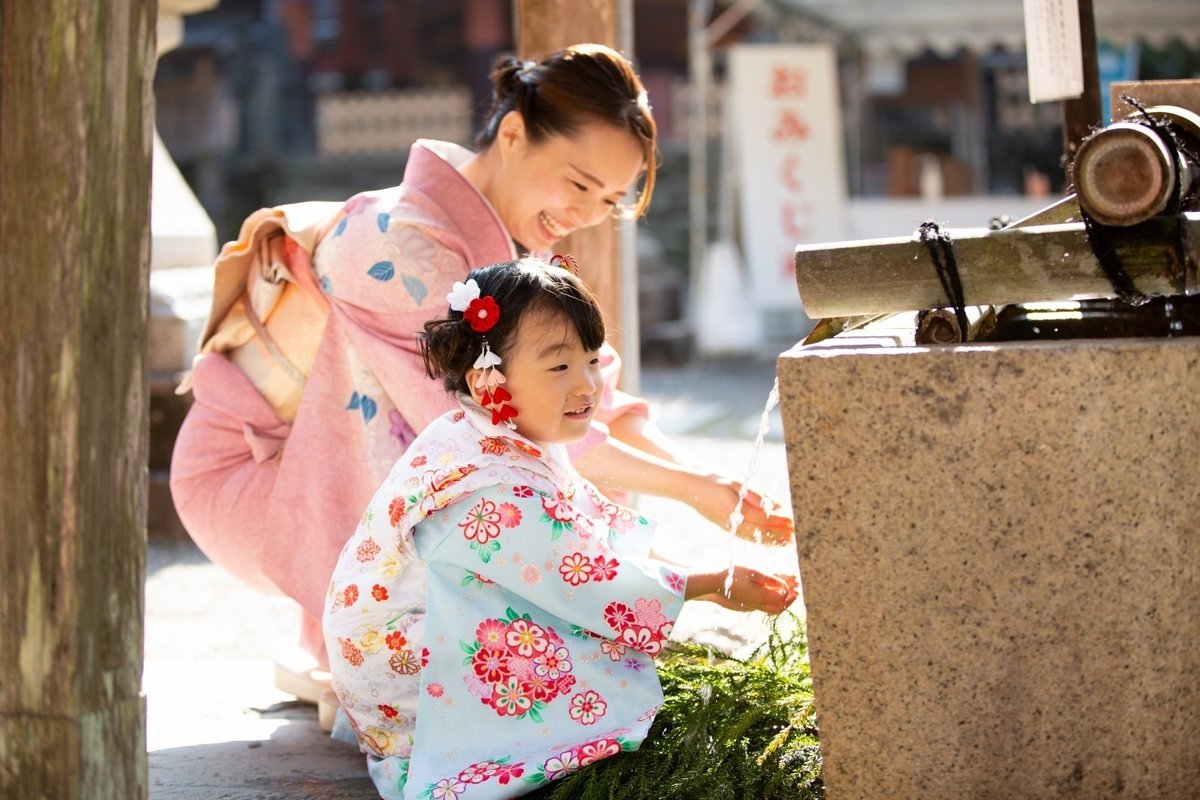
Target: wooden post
(76,116)
(544,26)
(1082,113)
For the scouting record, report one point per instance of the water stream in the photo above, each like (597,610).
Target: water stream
(736,516)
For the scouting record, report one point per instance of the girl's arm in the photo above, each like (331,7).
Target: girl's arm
(615,464)
(749,590)
(557,560)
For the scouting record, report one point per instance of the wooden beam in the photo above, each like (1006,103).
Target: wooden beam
(76,111)
(544,26)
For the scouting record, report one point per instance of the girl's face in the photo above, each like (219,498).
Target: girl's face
(548,190)
(555,383)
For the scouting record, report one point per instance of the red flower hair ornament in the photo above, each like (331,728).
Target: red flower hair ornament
(482,313)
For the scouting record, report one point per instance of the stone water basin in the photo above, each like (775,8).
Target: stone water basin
(999,544)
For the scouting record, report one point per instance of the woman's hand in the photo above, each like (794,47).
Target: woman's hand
(716,496)
(617,465)
(750,590)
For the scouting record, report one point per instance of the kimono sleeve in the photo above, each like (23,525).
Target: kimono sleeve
(545,551)
(384,278)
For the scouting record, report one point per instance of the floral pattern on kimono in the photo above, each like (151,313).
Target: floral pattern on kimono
(493,621)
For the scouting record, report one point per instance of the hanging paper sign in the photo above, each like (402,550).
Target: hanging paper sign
(787,130)
(1053,51)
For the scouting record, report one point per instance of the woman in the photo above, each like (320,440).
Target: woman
(270,477)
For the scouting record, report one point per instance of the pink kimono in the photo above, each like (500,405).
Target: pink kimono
(274,502)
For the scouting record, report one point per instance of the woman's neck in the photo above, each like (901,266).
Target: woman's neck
(481,171)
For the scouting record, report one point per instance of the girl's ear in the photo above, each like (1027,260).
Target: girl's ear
(471,377)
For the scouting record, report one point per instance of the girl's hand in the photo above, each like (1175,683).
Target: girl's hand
(751,590)
(760,521)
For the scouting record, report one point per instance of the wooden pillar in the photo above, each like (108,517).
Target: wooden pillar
(76,116)
(1082,113)
(544,26)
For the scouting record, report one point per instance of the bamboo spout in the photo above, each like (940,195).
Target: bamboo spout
(1019,264)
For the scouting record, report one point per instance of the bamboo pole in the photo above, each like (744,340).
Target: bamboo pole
(1035,263)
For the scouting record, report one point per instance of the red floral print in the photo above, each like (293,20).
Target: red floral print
(351,653)
(379,593)
(368,549)
(491,665)
(618,615)
(592,752)
(576,569)
(396,510)
(528,449)
(587,707)
(642,638)
(558,509)
(482,523)
(523,491)
(604,569)
(493,445)
(526,638)
(389,711)
(490,633)
(509,700)
(507,772)
(677,582)
(395,640)
(510,515)
(520,665)
(350,595)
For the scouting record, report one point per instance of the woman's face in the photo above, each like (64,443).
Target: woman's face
(554,188)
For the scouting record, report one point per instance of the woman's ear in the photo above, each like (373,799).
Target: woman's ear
(511,135)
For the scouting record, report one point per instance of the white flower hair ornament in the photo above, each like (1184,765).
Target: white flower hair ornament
(462,294)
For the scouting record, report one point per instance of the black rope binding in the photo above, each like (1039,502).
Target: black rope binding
(1100,237)
(1176,203)
(940,245)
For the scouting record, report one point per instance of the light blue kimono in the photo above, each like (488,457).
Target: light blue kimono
(492,623)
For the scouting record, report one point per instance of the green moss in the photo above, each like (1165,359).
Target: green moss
(728,729)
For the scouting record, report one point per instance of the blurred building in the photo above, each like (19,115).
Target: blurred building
(268,101)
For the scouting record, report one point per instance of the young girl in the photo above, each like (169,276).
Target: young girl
(491,624)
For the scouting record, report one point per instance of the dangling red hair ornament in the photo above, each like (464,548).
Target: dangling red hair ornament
(481,314)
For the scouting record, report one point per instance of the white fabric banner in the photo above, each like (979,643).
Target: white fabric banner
(1053,51)
(786,125)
